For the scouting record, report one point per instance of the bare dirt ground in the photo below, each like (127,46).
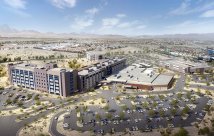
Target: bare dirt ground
(25,53)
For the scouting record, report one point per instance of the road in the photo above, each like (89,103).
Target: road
(10,127)
(109,94)
(52,129)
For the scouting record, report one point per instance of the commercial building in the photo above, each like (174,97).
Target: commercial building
(90,77)
(95,55)
(139,76)
(60,81)
(47,78)
(210,52)
(198,69)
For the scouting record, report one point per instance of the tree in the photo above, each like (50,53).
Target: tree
(208,83)
(208,92)
(161,112)
(155,104)
(38,102)
(117,98)
(179,95)
(106,107)
(174,103)
(181,132)
(108,115)
(85,108)
(29,96)
(204,131)
(18,117)
(145,104)
(188,95)
(17,59)
(1,88)
(161,97)
(74,64)
(151,112)
(124,107)
(4,59)
(122,115)
(185,110)
(98,116)
(8,101)
(173,111)
(20,104)
(160,70)
(36,97)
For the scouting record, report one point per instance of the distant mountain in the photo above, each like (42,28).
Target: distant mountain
(205,36)
(7,31)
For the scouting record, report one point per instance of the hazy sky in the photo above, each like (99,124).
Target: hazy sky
(126,17)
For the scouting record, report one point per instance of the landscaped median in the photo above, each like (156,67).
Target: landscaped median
(38,127)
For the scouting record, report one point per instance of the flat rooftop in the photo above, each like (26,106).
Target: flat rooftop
(98,66)
(96,52)
(137,74)
(24,66)
(57,70)
(162,80)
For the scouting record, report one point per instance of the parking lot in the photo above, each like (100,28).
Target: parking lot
(138,112)
(14,97)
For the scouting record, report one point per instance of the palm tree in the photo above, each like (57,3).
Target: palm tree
(108,115)
(161,112)
(173,111)
(98,116)
(122,115)
(160,70)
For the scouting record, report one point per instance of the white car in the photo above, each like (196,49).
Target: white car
(170,125)
(66,125)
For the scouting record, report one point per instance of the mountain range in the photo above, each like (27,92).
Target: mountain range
(7,31)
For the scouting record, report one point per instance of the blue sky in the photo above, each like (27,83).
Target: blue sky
(125,17)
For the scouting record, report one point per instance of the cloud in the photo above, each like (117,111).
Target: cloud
(189,7)
(182,9)
(124,25)
(17,4)
(81,23)
(17,7)
(209,13)
(121,15)
(92,11)
(141,27)
(132,24)
(117,25)
(63,3)
(109,25)
(110,22)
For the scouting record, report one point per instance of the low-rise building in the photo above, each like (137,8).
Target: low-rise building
(140,77)
(95,55)
(198,69)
